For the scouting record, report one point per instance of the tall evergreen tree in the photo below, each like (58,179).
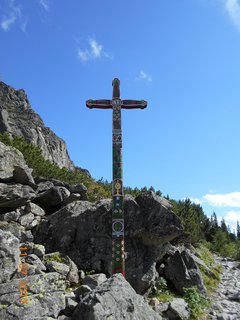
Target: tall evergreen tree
(238,230)
(224,226)
(214,220)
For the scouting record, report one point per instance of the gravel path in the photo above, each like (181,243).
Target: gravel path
(226,301)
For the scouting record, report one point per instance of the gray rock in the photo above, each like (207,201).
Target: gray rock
(55,266)
(222,317)
(9,255)
(199,262)
(79,189)
(39,307)
(34,259)
(162,307)
(178,309)
(23,175)
(39,250)
(82,230)
(183,272)
(10,216)
(73,197)
(81,274)
(94,280)
(73,275)
(82,291)
(235,297)
(15,195)
(29,221)
(71,304)
(45,297)
(114,299)
(63,265)
(149,199)
(44,185)
(34,209)
(17,230)
(18,118)
(63,317)
(9,157)
(52,198)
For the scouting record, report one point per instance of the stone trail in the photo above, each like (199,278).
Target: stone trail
(226,301)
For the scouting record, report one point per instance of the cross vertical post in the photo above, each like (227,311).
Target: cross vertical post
(116,104)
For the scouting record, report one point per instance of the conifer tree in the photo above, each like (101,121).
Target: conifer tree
(238,230)
(224,226)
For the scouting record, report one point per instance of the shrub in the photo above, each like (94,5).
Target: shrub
(196,302)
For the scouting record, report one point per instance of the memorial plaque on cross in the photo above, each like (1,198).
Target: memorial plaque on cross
(116,104)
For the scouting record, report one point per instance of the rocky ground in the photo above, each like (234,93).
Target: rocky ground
(226,300)
(50,236)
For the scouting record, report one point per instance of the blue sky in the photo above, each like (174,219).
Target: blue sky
(183,57)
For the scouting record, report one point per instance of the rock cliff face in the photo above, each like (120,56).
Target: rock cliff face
(19,119)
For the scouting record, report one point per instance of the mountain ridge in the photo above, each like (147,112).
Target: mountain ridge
(19,119)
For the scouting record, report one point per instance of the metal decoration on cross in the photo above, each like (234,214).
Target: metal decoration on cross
(116,104)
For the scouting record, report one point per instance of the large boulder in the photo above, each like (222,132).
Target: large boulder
(78,191)
(178,309)
(82,230)
(94,280)
(10,157)
(14,196)
(182,271)
(9,255)
(114,299)
(52,198)
(23,175)
(18,118)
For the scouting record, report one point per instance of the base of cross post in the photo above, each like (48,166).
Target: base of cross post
(118,256)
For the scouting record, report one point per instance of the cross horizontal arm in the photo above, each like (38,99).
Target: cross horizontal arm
(134,104)
(99,104)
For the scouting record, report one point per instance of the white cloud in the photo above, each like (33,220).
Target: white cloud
(143,76)
(223,200)
(44,4)
(196,200)
(231,218)
(96,48)
(232,7)
(7,22)
(12,13)
(93,51)
(83,55)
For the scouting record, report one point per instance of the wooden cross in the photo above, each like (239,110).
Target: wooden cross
(118,255)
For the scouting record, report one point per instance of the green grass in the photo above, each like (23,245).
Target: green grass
(164,296)
(210,282)
(56,256)
(205,254)
(162,293)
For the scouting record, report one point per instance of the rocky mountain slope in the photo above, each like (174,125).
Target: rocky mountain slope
(19,119)
(55,250)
